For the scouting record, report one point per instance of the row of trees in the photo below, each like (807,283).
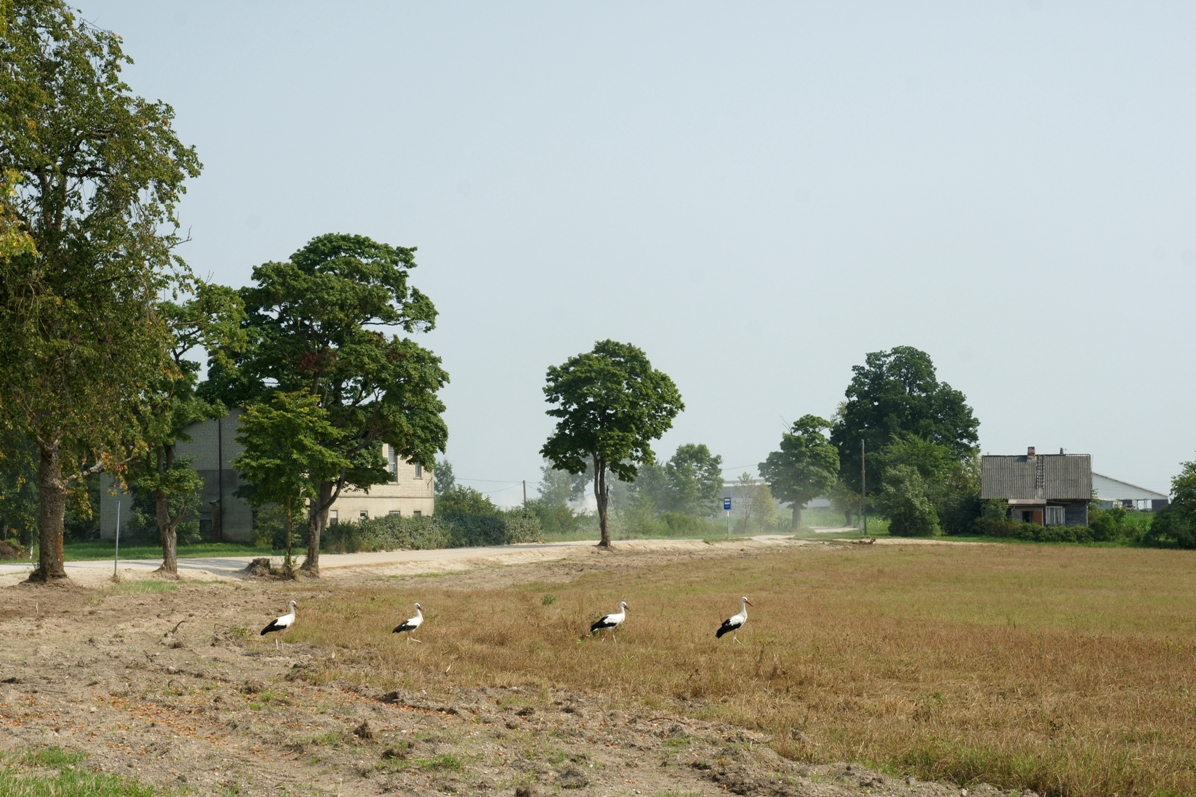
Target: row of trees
(907,437)
(101,321)
(902,435)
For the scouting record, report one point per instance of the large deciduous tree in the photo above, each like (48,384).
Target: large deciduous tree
(610,404)
(897,392)
(290,448)
(313,325)
(211,318)
(695,479)
(100,172)
(806,466)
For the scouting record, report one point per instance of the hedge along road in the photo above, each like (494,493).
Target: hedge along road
(333,566)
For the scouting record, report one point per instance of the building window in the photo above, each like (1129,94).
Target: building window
(332,516)
(395,512)
(417,513)
(1056,516)
(392,462)
(363,515)
(419,471)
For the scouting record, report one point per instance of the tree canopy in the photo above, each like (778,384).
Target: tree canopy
(897,392)
(610,405)
(805,467)
(290,447)
(1176,525)
(695,478)
(92,175)
(312,326)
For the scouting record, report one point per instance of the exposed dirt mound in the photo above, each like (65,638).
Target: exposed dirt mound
(10,550)
(261,568)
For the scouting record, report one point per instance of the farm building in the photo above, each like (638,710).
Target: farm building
(1109,492)
(225,517)
(1045,489)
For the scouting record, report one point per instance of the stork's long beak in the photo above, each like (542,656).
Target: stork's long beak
(749,603)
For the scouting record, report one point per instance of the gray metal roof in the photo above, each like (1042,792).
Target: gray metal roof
(1060,477)
(1110,489)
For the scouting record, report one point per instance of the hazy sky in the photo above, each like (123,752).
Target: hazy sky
(756,194)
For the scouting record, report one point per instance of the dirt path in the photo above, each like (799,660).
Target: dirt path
(175,687)
(342,566)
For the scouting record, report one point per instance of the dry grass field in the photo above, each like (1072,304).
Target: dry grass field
(1066,670)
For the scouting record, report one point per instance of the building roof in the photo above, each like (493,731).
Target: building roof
(1110,489)
(1058,477)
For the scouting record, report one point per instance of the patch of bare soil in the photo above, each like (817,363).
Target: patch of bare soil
(177,688)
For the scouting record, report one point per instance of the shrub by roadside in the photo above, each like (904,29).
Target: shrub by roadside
(443,530)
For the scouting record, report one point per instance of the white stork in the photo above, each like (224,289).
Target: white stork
(411,624)
(610,622)
(732,624)
(281,624)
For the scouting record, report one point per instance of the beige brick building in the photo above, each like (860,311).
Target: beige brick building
(224,516)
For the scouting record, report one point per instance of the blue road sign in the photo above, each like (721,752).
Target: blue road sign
(727,504)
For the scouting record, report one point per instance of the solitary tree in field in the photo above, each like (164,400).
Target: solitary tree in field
(93,174)
(313,325)
(806,467)
(287,452)
(610,405)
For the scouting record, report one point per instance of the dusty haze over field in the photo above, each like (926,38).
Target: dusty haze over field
(756,195)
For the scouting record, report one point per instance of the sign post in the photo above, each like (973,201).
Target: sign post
(116,556)
(727,509)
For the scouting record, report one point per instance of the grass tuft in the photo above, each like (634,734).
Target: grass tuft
(17,781)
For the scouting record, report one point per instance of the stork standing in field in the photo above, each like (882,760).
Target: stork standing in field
(281,624)
(411,624)
(610,622)
(732,624)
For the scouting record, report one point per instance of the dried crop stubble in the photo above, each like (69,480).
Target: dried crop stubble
(1065,670)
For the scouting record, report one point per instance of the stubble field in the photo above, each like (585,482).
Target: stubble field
(1064,670)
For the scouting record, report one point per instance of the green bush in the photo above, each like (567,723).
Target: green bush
(689,526)
(958,512)
(447,530)
(904,500)
(556,518)
(1174,527)
(11,549)
(1112,525)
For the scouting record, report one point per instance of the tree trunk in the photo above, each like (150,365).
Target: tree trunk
(603,497)
(51,510)
(166,529)
(796,524)
(288,566)
(316,521)
(170,539)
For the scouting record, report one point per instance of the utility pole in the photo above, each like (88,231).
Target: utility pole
(525,493)
(863,487)
(116,553)
(218,514)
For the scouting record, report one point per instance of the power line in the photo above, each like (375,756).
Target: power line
(492,481)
